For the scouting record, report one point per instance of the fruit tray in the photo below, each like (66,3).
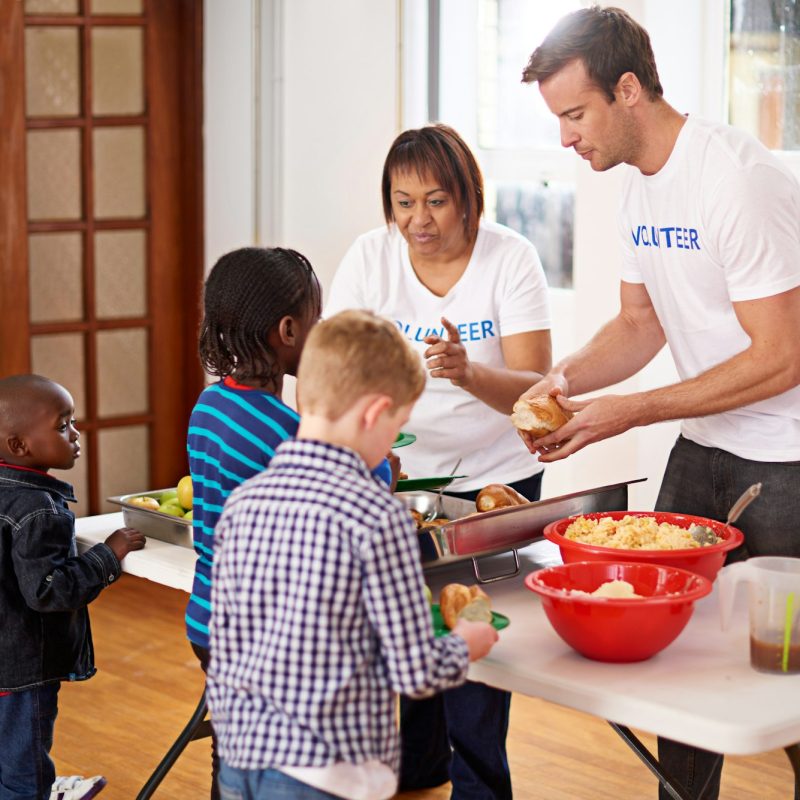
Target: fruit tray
(154,524)
(504,530)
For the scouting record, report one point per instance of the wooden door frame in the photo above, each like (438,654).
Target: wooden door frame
(175,90)
(174,167)
(14,306)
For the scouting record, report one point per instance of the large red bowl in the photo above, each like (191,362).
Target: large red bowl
(615,629)
(705,561)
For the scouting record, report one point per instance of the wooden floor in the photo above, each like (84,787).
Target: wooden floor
(121,722)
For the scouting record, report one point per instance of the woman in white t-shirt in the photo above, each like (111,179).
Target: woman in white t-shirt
(471,296)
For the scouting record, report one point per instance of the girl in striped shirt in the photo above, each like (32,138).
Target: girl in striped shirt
(259,305)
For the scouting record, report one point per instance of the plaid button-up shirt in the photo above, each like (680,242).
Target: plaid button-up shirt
(318,615)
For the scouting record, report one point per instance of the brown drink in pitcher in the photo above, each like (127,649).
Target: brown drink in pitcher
(768,656)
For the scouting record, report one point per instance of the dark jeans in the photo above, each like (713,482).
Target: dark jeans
(460,734)
(204,656)
(472,720)
(27,719)
(706,481)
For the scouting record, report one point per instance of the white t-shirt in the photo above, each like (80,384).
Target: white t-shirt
(371,780)
(719,223)
(502,292)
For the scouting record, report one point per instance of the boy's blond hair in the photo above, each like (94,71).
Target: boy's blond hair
(352,354)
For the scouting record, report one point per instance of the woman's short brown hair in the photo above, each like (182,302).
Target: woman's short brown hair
(437,151)
(608,41)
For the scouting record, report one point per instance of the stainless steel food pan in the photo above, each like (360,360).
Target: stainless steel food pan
(503,530)
(165,527)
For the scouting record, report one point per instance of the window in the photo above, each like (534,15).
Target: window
(764,71)
(476,51)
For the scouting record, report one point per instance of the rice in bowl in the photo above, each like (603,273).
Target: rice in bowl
(630,533)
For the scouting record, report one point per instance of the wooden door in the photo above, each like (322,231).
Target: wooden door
(101,225)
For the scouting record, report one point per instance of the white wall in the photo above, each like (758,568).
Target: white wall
(337,82)
(228,128)
(341,90)
(337,87)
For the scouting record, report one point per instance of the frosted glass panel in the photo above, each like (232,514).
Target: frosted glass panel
(120,285)
(78,477)
(56,277)
(117,71)
(54,174)
(51,6)
(121,372)
(119,172)
(123,463)
(116,6)
(52,73)
(59,356)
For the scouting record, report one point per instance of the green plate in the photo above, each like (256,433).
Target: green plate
(499,621)
(403,439)
(421,484)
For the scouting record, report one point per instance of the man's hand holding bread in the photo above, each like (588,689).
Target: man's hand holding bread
(548,422)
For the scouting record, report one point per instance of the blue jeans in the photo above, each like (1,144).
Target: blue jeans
(265,784)
(27,719)
(460,734)
(707,481)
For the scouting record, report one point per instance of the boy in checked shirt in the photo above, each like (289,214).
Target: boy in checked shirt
(318,608)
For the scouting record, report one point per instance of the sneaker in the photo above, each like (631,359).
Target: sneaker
(76,787)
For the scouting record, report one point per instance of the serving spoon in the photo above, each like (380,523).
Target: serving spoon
(704,535)
(437,510)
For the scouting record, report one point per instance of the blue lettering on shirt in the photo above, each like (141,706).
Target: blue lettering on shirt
(667,237)
(474,331)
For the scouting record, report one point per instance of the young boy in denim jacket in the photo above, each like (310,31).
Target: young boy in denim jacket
(318,609)
(44,585)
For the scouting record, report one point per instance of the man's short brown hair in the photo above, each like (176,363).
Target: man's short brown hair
(438,151)
(353,354)
(608,41)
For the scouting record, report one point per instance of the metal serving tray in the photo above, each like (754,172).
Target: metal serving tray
(503,530)
(165,527)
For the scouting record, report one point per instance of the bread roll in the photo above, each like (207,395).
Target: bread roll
(454,598)
(539,415)
(498,495)
(477,610)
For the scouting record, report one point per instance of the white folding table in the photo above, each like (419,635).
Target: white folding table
(700,690)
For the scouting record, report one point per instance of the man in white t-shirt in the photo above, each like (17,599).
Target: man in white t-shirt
(710,227)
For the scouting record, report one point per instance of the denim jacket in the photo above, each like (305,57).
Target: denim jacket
(45,585)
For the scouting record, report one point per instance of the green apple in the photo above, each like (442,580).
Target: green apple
(170,494)
(428,594)
(188,515)
(172,507)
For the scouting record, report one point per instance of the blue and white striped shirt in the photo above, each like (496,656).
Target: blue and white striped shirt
(233,434)
(319,616)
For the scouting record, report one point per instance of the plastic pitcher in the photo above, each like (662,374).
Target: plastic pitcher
(774,600)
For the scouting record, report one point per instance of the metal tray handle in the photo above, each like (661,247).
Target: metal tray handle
(501,576)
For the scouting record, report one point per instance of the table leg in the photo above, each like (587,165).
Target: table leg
(673,788)
(198,727)
(793,752)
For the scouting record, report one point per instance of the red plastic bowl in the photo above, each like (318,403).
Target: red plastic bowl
(617,629)
(705,561)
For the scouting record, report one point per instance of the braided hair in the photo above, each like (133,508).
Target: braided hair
(247,293)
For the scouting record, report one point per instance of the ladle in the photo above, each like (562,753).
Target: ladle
(705,535)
